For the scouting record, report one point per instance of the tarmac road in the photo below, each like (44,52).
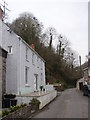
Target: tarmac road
(70,104)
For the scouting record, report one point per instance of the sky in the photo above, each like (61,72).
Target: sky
(68,17)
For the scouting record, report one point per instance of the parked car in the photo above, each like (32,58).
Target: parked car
(86,90)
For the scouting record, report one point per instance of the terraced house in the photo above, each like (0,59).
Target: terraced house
(25,68)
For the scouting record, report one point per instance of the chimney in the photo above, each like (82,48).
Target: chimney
(1,13)
(33,47)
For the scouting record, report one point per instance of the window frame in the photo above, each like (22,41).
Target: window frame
(10,49)
(33,58)
(26,75)
(26,54)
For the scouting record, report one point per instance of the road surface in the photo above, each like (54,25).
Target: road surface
(70,104)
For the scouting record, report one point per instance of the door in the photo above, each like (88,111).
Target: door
(81,85)
(35,82)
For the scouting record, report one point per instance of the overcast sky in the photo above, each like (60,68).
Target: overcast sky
(69,18)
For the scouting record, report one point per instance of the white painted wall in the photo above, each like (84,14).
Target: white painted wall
(16,63)
(10,39)
(44,99)
(49,88)
(47,98)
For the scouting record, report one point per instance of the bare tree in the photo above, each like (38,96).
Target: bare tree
(62,45)
(49,36)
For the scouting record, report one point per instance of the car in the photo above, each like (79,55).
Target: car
(86,90)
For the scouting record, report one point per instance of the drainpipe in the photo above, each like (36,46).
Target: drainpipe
(88,66)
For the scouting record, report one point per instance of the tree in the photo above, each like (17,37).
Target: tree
(59,65)
(28,27)
(49,35)
(62,45)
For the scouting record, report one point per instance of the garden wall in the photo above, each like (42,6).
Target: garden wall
(24,112)
(44,99)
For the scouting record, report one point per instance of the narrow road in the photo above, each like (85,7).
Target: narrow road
(70,104)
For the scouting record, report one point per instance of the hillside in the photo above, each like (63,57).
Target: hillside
(60,61)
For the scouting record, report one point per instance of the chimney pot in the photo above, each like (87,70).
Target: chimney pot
(32,45)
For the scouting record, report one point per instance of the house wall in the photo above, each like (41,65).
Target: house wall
(10,39)
(86,77)
(35,68)
(78,83)
(16,63)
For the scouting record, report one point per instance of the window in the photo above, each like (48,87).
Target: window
(41,78)
(37,62)
(41,65)
(26,75)
(37,58)
(9,49)
(33,58)
(26,53)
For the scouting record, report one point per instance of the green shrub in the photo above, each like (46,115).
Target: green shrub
(16,108)
(22,105)
(34,101)
(57,81)
(12,109)
(4,113)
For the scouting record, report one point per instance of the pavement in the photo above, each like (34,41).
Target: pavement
(68,104)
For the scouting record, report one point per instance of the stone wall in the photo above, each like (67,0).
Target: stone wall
(22,113)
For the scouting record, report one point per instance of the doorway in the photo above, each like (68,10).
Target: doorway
(81,85)
(35,82)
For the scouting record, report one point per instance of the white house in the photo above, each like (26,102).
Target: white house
(25,68)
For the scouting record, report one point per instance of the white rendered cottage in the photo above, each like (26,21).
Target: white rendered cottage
(25,68)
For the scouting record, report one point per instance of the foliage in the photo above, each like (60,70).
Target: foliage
(13,109)
(35,101)
(27,27)
(60,60)
(57,81)
(4,113)
(22,105)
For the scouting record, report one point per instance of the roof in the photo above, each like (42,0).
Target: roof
(26,44)
(31,48)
